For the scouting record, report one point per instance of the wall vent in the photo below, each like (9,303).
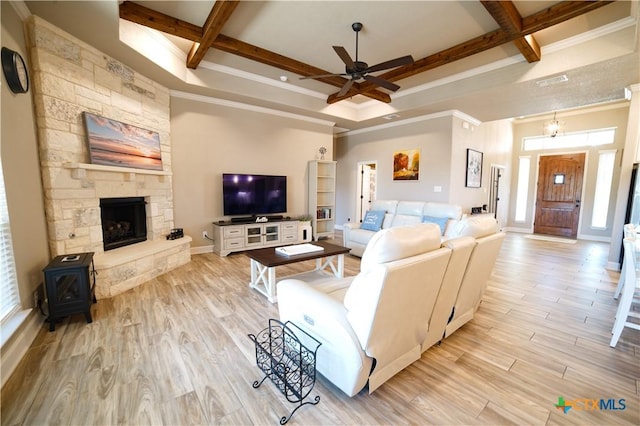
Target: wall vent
(553,80)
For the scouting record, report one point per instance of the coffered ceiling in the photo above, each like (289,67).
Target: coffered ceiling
(490,60)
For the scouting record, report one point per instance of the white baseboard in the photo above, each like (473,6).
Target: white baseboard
(594,238)
(613,266)
(518,230)
(17,345)
(580,236)
(202,249)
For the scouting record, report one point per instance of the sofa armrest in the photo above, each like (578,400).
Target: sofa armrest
(346,229)
(340,357)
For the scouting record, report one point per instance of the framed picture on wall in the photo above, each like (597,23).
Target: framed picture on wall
(406,164)
(474,169)
(112,143)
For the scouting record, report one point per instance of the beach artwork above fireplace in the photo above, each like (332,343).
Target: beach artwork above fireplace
(112,143)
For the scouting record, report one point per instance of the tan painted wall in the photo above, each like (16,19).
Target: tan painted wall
(210,139)
(431,136)
(21,167)
(443,141)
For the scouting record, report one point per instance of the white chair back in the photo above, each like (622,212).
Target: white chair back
(629,232)
(623,312)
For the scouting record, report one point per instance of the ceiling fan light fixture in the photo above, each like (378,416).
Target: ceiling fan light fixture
(356,70)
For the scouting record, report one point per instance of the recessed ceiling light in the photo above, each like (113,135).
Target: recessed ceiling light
(284,78)
(553,80)
(391,116)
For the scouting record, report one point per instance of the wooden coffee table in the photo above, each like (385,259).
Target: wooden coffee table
(329,262)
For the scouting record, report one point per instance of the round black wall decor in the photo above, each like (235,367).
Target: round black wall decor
(15,71)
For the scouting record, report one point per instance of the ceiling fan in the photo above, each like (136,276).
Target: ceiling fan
(357,70)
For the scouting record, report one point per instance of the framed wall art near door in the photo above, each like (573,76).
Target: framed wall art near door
(474,169)
(406,164)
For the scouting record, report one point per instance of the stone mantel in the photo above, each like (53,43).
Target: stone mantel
(78,171)
(85,166)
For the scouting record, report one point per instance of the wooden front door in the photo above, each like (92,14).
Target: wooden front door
(559,194)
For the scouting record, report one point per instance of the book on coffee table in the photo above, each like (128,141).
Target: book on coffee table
(298,249)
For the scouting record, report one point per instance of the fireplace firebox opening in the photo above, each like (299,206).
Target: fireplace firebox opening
(124,221)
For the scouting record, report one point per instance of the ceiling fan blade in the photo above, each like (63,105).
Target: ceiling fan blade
(345,88)
(398,62)
(382,82)
(344,55)
(322,76)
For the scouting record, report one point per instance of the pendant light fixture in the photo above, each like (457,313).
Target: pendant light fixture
(552,128)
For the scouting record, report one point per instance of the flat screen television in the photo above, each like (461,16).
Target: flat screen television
(245,194)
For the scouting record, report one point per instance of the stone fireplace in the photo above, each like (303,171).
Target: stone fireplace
(69,78)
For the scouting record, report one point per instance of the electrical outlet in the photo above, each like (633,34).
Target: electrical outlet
(36,298)
(205,235)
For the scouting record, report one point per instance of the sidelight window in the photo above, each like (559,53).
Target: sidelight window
(522,194)
(606,161)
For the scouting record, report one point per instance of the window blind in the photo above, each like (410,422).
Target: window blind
(9,298)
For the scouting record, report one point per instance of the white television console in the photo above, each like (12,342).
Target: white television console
(231,237)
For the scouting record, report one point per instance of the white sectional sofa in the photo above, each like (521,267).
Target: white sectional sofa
(401,213)
(412,291)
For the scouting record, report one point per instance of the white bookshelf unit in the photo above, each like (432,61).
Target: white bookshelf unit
(322,197)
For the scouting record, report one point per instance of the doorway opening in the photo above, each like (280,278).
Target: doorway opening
(494,191)
(365,187)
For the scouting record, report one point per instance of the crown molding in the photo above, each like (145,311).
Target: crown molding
(234,72)
(620,103)
(449,113)
(21,9)
(248,107)
(602,31)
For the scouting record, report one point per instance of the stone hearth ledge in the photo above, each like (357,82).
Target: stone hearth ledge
(127,267)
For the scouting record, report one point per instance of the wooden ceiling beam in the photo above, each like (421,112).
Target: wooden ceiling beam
(529,48)
(267,57)
(159,21)
(546,18)
(452,54)
(138,14)
(219,15)
(509,19)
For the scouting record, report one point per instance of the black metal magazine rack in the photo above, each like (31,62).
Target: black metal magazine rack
(287,362)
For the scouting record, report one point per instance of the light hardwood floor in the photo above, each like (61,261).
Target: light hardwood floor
(175,351)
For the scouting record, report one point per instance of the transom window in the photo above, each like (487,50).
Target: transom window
(570,140)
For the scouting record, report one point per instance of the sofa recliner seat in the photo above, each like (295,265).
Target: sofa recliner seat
(381,314)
